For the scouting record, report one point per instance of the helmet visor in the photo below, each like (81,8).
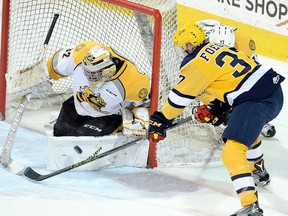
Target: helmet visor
(102,74)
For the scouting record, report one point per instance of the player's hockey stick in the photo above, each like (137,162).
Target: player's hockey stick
(31,174)
(5,158)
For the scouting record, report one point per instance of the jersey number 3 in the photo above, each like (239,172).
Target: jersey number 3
(234,63)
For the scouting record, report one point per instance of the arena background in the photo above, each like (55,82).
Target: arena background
(266,21)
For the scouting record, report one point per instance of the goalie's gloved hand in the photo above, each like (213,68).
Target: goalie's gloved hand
(135,122)
(215,112)
(158,124)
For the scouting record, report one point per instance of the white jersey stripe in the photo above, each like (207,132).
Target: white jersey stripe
(248,84)
(178,100)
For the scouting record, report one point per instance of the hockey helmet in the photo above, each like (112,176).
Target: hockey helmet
(223,34)
(98,65)
(189,34)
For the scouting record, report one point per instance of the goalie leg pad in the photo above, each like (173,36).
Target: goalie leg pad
(61,152)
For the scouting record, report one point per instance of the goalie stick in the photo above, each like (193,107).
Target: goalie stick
(31,174)
(5,157)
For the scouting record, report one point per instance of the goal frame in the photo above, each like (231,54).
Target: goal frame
(4,55)
(151,161)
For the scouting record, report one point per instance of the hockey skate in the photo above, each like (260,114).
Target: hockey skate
(251,210)
(268,130)
(261,176)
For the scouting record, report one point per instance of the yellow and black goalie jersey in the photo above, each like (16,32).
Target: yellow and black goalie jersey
(127,88)
(222,72)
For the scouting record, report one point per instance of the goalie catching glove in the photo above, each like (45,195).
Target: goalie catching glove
(135,122)
(33,79)
(157,126)
(215,112)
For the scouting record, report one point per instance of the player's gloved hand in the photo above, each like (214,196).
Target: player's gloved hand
(217,107)
(158,124)
(215,112)
(220,112)
(202,114)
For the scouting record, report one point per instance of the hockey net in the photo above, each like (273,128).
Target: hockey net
(130,27)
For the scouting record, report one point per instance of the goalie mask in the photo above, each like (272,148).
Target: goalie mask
(223,34)
(98,65)
(189,36)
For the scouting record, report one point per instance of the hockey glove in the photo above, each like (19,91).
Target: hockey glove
(220,112)
(215,112)
(135,122)
(157,126)
(218,107)
(202,114)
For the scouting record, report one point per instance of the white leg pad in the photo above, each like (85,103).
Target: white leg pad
(61,152)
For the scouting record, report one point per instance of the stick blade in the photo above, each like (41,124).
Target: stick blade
(31,174)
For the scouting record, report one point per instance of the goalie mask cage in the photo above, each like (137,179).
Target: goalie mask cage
(141,30)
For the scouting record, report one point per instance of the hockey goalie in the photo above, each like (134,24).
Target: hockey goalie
(109,107)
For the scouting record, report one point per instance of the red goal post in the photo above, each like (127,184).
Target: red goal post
(4,55)
(152,162)
(141,30)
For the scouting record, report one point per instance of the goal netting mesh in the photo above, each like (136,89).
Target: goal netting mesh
(128,31)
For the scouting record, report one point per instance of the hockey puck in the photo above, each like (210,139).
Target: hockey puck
(77,149)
